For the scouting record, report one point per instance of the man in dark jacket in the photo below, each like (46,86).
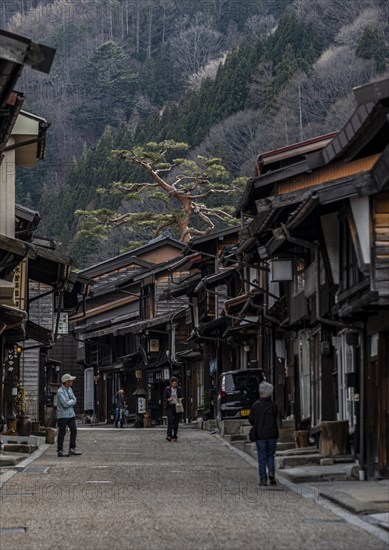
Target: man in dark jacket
(263,416)
(172,395)
(120,405)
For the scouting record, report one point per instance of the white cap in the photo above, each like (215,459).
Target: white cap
(67,377)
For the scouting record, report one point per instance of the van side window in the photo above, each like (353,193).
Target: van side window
(230,386)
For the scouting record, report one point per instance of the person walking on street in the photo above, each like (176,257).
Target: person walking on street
(172,396)
(66,416)
(263,416)
(120,405)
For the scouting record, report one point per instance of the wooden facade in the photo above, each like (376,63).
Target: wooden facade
(129,334)
(326,213)
(31,271)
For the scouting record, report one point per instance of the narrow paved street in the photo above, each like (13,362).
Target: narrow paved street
(132,489)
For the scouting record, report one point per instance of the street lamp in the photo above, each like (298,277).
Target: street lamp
(281,269)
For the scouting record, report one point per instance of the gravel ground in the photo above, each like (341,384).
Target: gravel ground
(131,489)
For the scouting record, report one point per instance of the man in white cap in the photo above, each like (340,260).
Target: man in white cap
(66,415)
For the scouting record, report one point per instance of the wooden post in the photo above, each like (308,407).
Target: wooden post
(50,435)
(51,416)
(301,438)
(146,420)
(334,438)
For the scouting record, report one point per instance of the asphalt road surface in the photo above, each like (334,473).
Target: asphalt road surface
(131,489)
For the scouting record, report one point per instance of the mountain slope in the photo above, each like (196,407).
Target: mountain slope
(287,73)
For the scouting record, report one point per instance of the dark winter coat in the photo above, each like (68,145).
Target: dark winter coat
(263,416)
(167,393)
(120,401)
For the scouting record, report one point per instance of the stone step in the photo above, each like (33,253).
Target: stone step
(315,474)
(303,451)
(231,438)
(25,440)
(286,434)
(296,461)
(342,459)
(8,460)
(288,424)
(241,445)
(232,426)
(210,425)
(244,430)
(285,445)
(238,437)
(19,448)
(250,449)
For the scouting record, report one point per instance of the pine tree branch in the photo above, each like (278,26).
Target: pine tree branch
(215,212)
(195,232)
(162,225)
(200,212)
(212,192)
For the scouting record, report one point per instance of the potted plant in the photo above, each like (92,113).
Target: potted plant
(23,422)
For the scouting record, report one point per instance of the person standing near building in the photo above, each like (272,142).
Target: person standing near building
(172,396)
(120,405)
(66,416)
(263,416)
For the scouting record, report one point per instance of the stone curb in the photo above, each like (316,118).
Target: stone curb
(8,473)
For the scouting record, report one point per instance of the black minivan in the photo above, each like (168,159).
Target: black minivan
(238,389)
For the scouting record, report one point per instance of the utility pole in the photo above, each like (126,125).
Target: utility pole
(301,116)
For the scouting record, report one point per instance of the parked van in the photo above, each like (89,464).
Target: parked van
(238,389)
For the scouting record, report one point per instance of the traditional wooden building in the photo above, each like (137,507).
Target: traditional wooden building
(319,233)
(211,281)
(126,329)
(35,280)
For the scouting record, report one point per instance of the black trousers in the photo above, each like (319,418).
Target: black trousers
(172,420)
(62,423)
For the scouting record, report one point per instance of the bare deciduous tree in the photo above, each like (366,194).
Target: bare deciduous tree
(350,33)
(195,46)
(336,73)
(261,25)
(209,71)
(232,139)
(329,16)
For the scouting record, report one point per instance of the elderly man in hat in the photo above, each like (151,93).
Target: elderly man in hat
(66,415)
(263,416)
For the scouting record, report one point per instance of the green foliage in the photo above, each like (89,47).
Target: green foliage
(294,45)
(132,245)
(372,45)
(115,83)
(158,196)
(192,185)
(66,37)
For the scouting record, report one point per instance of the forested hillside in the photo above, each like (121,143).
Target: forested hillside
(230,78)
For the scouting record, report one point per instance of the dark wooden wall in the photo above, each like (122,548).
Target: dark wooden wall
(65,350)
